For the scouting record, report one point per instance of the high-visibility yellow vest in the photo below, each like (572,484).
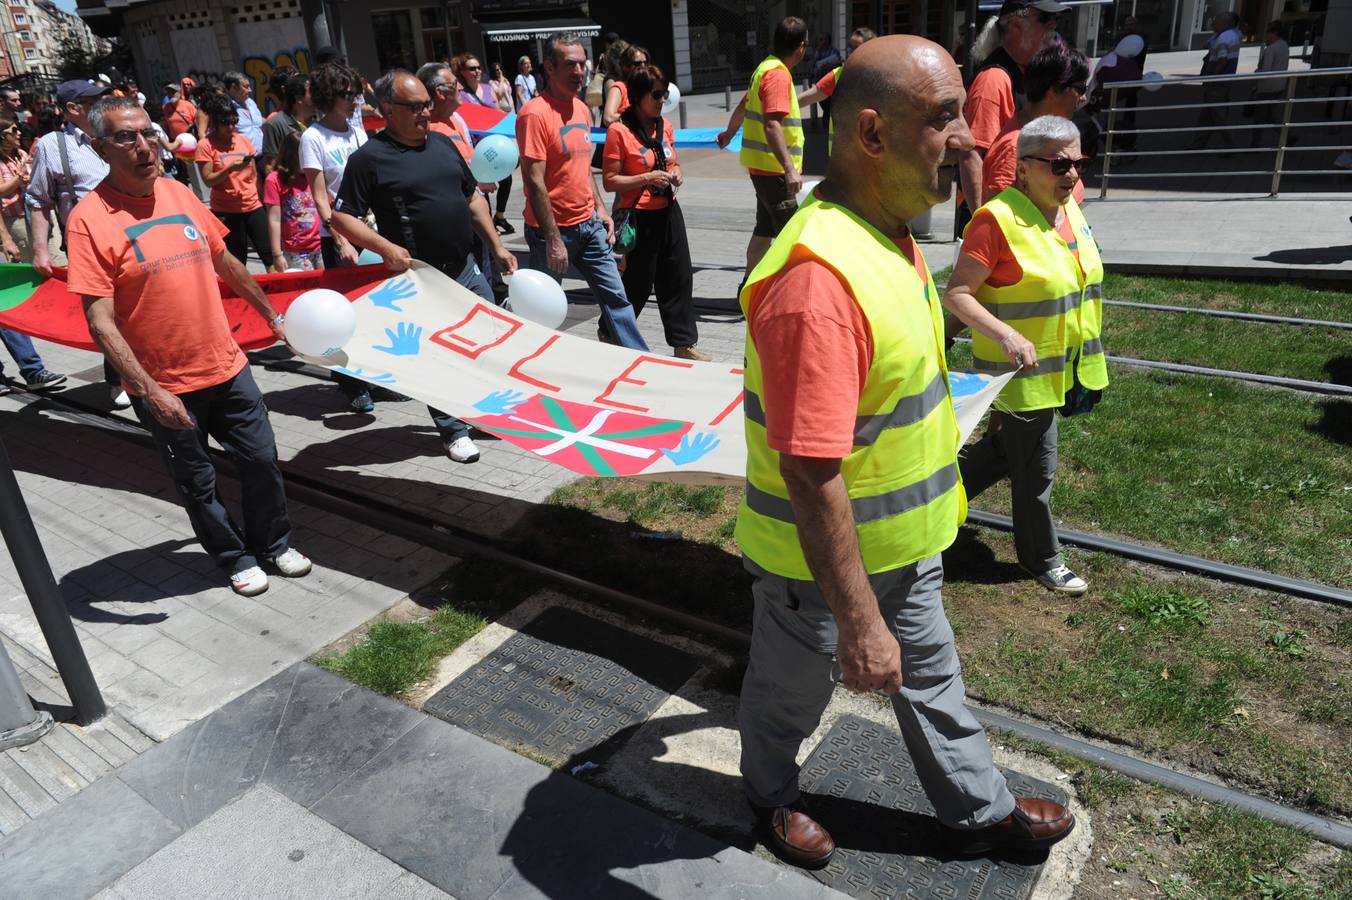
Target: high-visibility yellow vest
(755,148)
(902,474)
(1057,305)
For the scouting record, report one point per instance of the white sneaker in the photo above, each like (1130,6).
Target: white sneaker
(292,563)
(249,583)
(119,397)
(462,450)
(1343,160)
(1063,581)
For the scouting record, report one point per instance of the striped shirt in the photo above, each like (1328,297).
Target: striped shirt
(48,188)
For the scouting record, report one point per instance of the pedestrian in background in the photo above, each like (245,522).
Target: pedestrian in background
(617,94)
(642,168)
(524,87)
(475,91)
(293,220)
(292,117)
(1268,93)
(226,160)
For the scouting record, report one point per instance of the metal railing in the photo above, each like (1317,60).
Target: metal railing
(1218,110)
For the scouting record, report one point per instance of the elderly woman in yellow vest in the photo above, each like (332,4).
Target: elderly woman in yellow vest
(1028,281)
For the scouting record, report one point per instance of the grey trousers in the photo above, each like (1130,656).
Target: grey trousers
(793,672)
(1021,446)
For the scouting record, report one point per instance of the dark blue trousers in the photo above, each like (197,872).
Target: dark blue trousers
(234,414)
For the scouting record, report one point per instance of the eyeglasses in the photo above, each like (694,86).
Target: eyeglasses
(658,95)
(413,106)
(127,138)
(1062,164)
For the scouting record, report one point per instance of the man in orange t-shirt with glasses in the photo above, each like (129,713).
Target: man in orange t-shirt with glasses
(1022,28)
(566,218)
(144,254)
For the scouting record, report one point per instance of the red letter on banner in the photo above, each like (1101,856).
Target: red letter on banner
(515,370)
(447,337)
(733,405)
(625,379)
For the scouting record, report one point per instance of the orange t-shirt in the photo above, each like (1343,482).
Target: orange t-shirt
(179,116)
(558,133)
(827,83)
(636,159)
(624,96)
(457,131)
(815,348)
(990,103)
(985,242)
(775,95)
(1001,165)
(238,191)
(153,255)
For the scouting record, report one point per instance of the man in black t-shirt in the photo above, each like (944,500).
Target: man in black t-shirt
(422,195)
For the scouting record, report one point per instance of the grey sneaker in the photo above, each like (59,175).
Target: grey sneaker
(1063,581)
(462,450)
(292,563)
(45,380)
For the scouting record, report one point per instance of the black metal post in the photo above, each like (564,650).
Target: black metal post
(48,606)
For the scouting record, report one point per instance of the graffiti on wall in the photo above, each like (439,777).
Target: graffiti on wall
(260,69)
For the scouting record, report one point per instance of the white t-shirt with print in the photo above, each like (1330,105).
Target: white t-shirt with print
(328,151)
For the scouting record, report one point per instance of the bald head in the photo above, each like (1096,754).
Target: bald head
(899,131)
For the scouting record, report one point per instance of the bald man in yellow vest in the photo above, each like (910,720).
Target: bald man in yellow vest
(853,489)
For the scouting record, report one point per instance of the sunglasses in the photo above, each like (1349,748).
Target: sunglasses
(1061,164)
(128,138)
(473,68)
(413,106)
(229,120)
(1045,18)
(658,95)
(350,95)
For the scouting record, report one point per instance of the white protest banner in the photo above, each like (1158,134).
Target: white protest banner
(594,408)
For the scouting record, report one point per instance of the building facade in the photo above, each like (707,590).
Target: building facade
(34,34)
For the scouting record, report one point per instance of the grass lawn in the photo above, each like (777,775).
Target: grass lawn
(1211,467)
(1280,299)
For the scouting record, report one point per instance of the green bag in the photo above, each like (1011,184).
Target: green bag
(626,235)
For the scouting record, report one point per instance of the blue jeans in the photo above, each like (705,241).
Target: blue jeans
(233,413)
(590,254)
(20,346)
(449,427)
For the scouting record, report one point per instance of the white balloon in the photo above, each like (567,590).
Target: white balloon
(320,322)
(673,99)
(806,191)
(536,297)
(1156,78)
(188,145)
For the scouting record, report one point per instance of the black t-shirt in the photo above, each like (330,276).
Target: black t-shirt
(419,195)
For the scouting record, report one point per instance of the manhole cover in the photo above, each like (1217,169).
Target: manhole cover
(564,684)
(863,788)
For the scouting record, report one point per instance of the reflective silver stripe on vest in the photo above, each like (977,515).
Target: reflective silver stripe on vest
(1094,292)
(865,509)
(1034,309)
(908,411)
(765,148)
(1044,366)
(753,116)
(1093,346)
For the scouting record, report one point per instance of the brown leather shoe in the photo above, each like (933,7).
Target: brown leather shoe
(795,836)
(1034,824)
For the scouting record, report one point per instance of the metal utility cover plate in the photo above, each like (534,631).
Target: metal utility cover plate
(862,786)
(563,685)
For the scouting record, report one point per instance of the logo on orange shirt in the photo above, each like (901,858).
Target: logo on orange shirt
(189,231)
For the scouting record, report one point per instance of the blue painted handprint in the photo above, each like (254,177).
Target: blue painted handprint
(403,342)
(500,403)
(392,292)
(374,378)
(688,450)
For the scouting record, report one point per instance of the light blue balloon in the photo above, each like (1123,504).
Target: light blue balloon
(495,158)
(368,258)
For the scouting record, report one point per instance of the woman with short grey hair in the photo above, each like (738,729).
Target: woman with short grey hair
(1028,280)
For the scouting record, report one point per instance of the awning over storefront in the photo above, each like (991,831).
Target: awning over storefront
(530,29)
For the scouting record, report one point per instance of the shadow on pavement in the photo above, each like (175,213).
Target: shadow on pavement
(1309,256)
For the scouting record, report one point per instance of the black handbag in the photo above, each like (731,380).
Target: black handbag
(1079,399)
